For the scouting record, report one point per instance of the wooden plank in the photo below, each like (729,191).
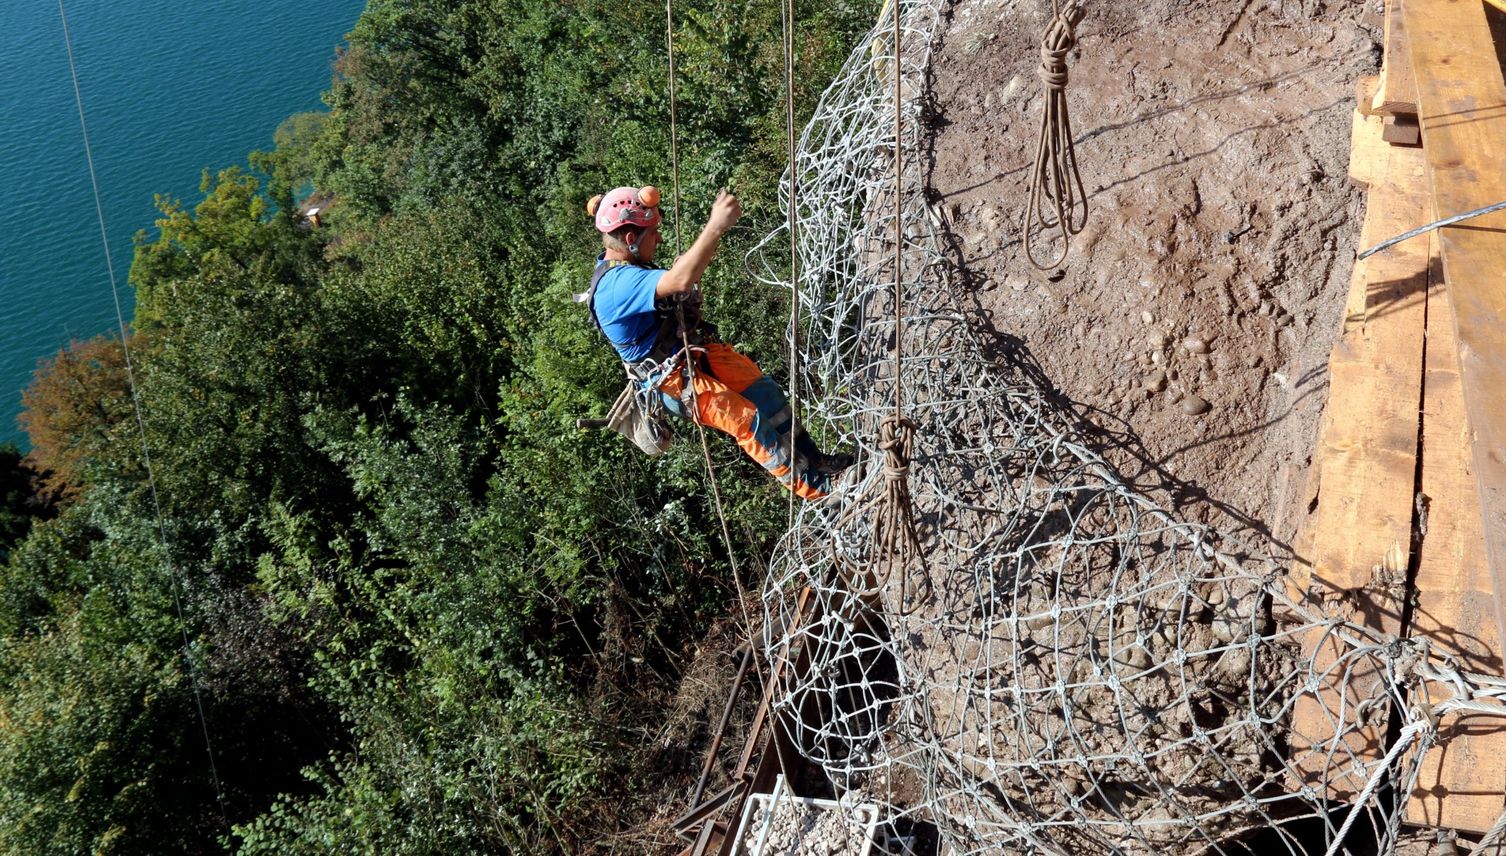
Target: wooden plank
(1462,783)
(1358,535)
(1402,131)
(1461,94)
(1367,451)
(1396,95)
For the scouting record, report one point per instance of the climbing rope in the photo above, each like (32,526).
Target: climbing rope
(146,455)
(674,150)
(689,356)
(1057,200)
(690,371)
(895,539)
(789,136)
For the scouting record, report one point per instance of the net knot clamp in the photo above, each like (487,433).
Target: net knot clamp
(1433,717)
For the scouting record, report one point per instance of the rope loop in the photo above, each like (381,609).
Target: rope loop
(1057,200)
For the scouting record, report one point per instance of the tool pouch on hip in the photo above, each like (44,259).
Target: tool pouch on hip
(641,418)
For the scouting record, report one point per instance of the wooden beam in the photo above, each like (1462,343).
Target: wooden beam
(1357,539)
(1396,94)
(1462,782)
(1461,93)
(1367,449)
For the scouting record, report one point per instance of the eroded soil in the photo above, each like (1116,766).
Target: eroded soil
(1213,144)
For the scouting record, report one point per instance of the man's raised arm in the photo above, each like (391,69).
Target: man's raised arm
(687,269)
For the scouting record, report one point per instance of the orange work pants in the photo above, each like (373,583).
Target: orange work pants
(734,396)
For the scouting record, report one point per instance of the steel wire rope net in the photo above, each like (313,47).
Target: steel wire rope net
(1092,672)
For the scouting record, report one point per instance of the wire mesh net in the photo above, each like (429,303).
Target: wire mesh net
(1089,671)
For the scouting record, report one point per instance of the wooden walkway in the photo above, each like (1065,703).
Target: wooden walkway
(1407,532)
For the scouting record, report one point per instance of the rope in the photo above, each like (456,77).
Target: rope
(689,368)
(674,150)
(146,456)
(789,134)
(894,534)
(1057,200)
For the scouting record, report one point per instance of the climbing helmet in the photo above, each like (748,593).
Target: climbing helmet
(625,206)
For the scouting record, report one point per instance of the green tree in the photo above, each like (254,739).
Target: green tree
(422,612)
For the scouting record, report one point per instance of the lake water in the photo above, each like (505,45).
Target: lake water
(169,88)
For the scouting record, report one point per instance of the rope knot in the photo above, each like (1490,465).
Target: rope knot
(895,436)
(1058,40)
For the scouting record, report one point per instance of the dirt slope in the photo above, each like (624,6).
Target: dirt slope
(1213,142)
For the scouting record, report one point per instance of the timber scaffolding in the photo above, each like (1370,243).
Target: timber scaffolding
(1406,530)
(1390,715)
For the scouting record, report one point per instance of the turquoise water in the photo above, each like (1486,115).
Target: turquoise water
(170,88)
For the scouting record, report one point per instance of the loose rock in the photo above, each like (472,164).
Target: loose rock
(1194,405)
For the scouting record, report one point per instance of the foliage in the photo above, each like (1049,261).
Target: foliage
(74,409)
(418,610)
(290,164)
(20,501)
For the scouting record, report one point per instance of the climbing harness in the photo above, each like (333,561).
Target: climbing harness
(1057,200)
(641,412)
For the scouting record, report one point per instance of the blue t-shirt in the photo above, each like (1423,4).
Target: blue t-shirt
(624,305)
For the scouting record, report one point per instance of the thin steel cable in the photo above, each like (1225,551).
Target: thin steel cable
(146,456)
(1436,224)
(1491,843)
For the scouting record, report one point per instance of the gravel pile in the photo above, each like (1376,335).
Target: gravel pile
(799,829)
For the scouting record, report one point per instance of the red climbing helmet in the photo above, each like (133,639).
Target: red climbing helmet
(626,206)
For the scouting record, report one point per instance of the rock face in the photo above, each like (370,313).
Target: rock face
(801,829)
(1218,242)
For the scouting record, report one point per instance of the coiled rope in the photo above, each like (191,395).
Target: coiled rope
(1057,200)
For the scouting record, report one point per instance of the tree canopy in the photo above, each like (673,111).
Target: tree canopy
(355,583)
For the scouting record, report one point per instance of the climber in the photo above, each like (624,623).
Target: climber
(638,306)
